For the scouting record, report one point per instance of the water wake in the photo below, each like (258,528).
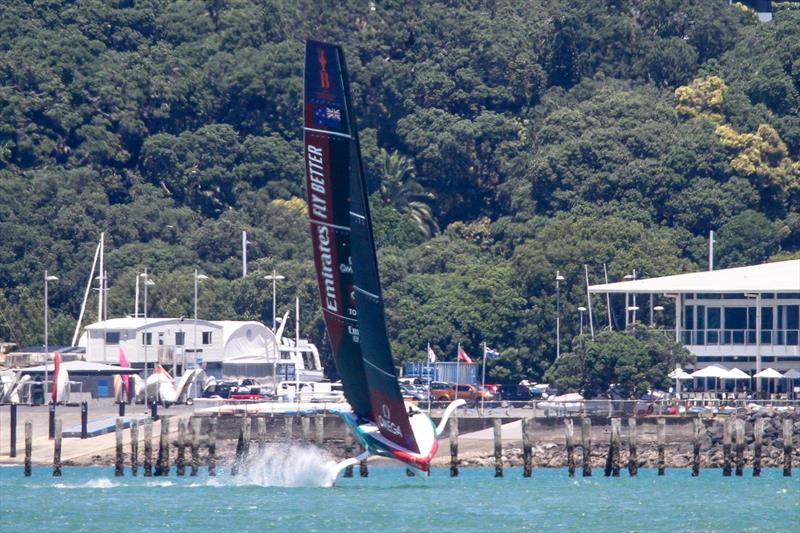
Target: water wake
(289,465)
(100,483)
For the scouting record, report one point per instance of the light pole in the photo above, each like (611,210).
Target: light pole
(657,309)
(197,277)
(47,278)
(582,310)
(145,340)
(559,279)
(633,306)
(274,277)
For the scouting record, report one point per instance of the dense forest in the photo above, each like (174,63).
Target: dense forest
(503,140)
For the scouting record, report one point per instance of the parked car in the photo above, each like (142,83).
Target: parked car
(446,392)
(412,393)
(520,393)
(220,389)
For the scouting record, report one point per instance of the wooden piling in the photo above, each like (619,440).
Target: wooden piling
(758,441)
(661,441)
(453,438)
(787,447)
(696,440)
(119,461)
(363,470)
(569,435)
(134,447)
(162,464)
(727,440)
(633,459)
(194,427)
(319,427)
(242,446)
(289,422)
(28,446)
(148,447)
(212,446)
(262,434)
(180,461)
(616,425)
(498,447)
(527,445)
(305,425)
(12,450)
(348,451)
(739,429)
(57,449)
(586,444)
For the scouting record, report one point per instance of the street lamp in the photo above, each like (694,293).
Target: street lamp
(582,310)
(657,309)
(632,307)
(274,277)
(147,283)
(47,278)
(559,279)
(197,277)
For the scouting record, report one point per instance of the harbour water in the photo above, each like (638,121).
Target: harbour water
(292,492)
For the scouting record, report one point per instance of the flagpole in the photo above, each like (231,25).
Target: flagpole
(458,368)
(483,378)
(428,358)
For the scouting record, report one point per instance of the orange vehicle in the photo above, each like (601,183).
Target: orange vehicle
(446,392)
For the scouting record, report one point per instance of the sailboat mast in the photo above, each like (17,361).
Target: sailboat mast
(100,280)
(85,296)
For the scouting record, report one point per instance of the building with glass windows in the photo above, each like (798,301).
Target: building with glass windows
(747,317)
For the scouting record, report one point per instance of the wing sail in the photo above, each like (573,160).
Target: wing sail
(327,141)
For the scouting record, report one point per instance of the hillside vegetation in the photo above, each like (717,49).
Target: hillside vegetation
(503,140)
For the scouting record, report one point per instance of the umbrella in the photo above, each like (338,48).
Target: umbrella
(680,373)
(791,374)
(735,373)
(711,371)
(769,373)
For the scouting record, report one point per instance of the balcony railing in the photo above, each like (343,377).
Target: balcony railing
(743,337)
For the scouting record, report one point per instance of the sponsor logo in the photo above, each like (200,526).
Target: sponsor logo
(324,79)
(386,423)
(346,268)
(328,115)
(319,209)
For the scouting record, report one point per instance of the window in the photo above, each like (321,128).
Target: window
(112,337)
(180,338)
(147,339)
(207,337)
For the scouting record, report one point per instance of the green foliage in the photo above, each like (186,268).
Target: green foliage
(501,141)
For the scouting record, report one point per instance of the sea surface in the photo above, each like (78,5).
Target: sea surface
(292,491)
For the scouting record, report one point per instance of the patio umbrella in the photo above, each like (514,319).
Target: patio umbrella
(737,374)
(769,373)
(679,375)
(711,371)
(790,376)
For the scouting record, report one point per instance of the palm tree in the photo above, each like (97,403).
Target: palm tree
(400,190)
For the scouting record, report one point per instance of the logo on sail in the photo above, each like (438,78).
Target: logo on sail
(386,423)
(324,79)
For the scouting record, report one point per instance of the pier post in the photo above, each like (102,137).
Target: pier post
(154,410)
(453,438)
(319,427)
(739,428)
(134,447)
(119,461)
(212,446)
(148,447)
(569,435)
(498,447)
(28,446)
(616,428)
(180,461)
(162,464)
(348,451)
(242,446)
(305,425)
(787,447)
(586,444)
(262,434)
(696,439)
(122,408)
(289,422)
(51,419)
(12,449)
(57,450)
(727,440)
(633,459)
(527,444)
(84,419)
(194,427)
(363,470)
(758,440)
(661,441)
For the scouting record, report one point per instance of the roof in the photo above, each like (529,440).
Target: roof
(138,323)
(82,368)
(782,276)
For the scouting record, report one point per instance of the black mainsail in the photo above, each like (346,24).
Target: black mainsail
(344,251)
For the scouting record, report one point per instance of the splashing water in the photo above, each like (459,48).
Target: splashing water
(100,483)
(289,465)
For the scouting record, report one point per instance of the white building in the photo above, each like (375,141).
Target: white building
(747,317)
(173,342)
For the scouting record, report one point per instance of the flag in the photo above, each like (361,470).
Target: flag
(431,354)
(57,367)
(462,356)
(123,362)
(488,352)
